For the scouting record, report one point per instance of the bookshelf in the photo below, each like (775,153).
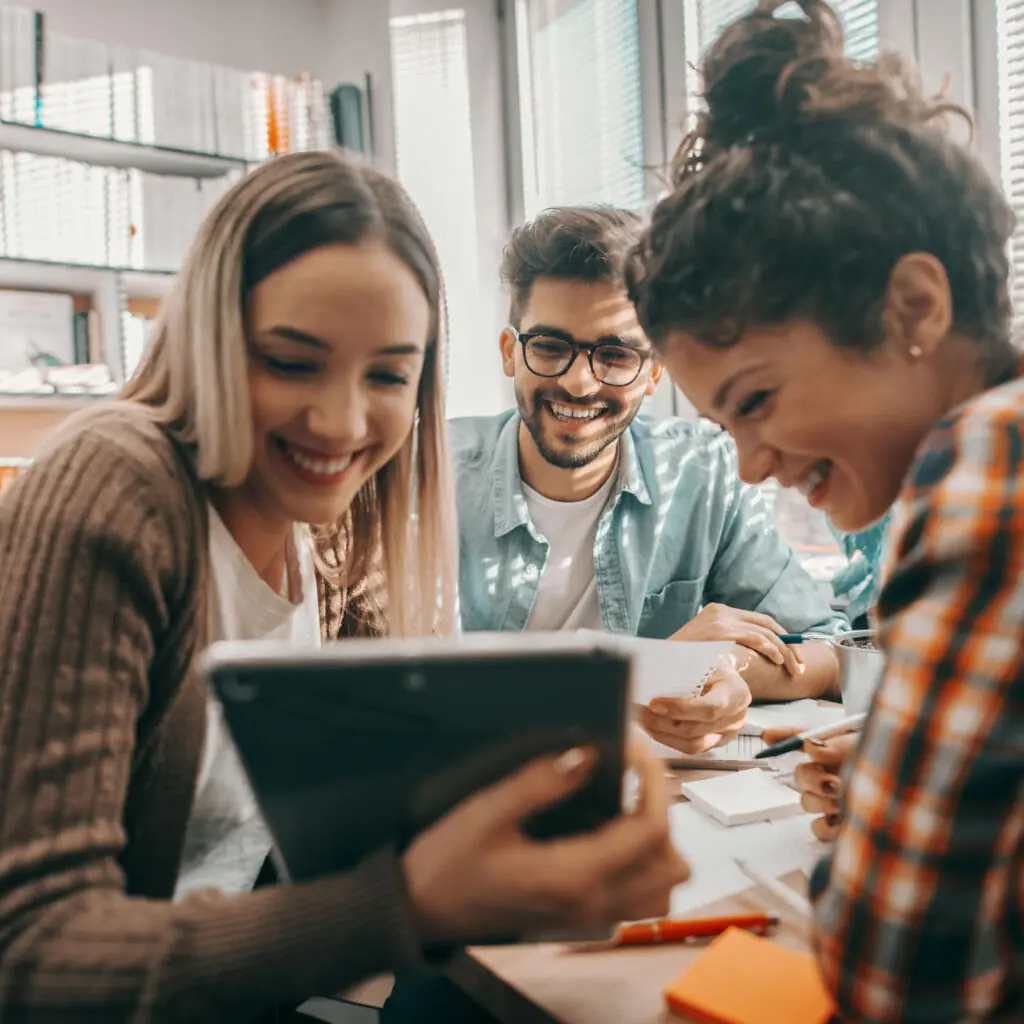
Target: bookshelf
(110,158)
(103,152)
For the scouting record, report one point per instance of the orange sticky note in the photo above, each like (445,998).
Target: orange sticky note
(744,979)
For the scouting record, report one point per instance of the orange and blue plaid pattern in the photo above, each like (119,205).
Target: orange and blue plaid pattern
(922,918)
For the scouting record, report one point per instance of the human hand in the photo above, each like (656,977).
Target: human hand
(695,725)
(476,875)
(756,632)
(818,779)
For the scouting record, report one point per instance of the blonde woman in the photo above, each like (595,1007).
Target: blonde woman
(294,379)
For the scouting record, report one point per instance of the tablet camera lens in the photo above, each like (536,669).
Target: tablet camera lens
(415,682)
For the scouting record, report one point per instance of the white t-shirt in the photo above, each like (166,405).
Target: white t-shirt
(227,841)
(567,593)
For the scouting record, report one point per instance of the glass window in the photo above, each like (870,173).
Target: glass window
(434,149)
(580,102)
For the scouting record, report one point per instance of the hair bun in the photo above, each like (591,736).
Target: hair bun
(766,77)
(757,73)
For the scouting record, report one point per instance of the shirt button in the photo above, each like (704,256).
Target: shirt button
(531,571)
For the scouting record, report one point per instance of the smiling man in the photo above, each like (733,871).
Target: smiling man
(576,511)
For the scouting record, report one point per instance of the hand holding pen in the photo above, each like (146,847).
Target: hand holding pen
(819,779)
(754,631)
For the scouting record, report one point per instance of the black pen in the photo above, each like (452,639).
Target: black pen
(803,638)
(822,732)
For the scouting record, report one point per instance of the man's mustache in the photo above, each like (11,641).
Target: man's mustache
(579,403)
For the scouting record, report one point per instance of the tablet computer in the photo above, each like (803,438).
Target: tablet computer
(366,743)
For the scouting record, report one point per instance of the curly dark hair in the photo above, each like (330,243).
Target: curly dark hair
(806,179)
(583,243)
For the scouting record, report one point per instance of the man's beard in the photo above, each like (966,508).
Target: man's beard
(567,452)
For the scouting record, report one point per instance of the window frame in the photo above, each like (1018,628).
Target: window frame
(954,37)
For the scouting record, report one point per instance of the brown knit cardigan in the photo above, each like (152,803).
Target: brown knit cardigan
(103,581)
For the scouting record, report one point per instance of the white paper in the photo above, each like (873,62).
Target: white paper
(776,848)
(742,748)
(668,668)
(743,797)
(800,714)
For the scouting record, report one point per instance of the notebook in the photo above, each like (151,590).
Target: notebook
(778,984)
(743,797)
(668,668)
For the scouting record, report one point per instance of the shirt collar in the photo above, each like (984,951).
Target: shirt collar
(510,508)
(633,479)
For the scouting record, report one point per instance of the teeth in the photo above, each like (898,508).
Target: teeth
(572,412)
(810,483)
(326,467)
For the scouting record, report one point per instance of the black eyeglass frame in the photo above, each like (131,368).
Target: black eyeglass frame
(577,347)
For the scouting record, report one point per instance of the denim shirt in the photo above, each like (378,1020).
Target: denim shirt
(861,580)
(679,532)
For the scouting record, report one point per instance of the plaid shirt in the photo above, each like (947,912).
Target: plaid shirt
(922,918)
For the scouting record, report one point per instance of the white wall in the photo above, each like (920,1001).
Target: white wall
(356,42)
(284,36)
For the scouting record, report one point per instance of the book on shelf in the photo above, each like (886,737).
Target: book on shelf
(53,80)
(18,61)
(50,349)
(62,210)
(9,470)
(136,331)
(35,327)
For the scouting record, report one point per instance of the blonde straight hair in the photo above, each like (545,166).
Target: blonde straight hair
(194,379)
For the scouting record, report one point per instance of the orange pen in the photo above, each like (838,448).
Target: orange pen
(645,933)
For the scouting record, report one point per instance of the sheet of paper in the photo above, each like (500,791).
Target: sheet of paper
(743,748)
(669,668)
(801,714)
(776,847)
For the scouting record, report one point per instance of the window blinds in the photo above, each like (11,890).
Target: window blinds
(1011,136)
(434,150)
(580,102)
(860,19)
(706,18)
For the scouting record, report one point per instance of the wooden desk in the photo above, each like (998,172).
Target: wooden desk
(550,984)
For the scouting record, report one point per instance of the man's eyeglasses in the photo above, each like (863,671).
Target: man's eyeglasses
(547,355)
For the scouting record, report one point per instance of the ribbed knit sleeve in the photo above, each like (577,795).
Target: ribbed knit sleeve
(97,556)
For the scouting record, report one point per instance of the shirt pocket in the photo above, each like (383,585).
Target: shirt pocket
(671,607)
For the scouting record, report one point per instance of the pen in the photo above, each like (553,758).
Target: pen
(822,732)
(651,933)
(788,897)
(645,933)
(803,638)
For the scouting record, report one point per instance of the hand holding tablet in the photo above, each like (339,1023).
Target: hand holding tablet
(475,873)
(493,764)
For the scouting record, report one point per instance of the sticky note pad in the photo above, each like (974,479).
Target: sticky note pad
(744,979)
(743,797)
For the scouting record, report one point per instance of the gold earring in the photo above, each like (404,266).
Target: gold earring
(916,352)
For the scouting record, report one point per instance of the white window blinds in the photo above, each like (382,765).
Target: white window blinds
(580,102)
(1011,135)
(434,150)
(705,19)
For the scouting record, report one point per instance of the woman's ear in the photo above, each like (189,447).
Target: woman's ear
(918,312)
